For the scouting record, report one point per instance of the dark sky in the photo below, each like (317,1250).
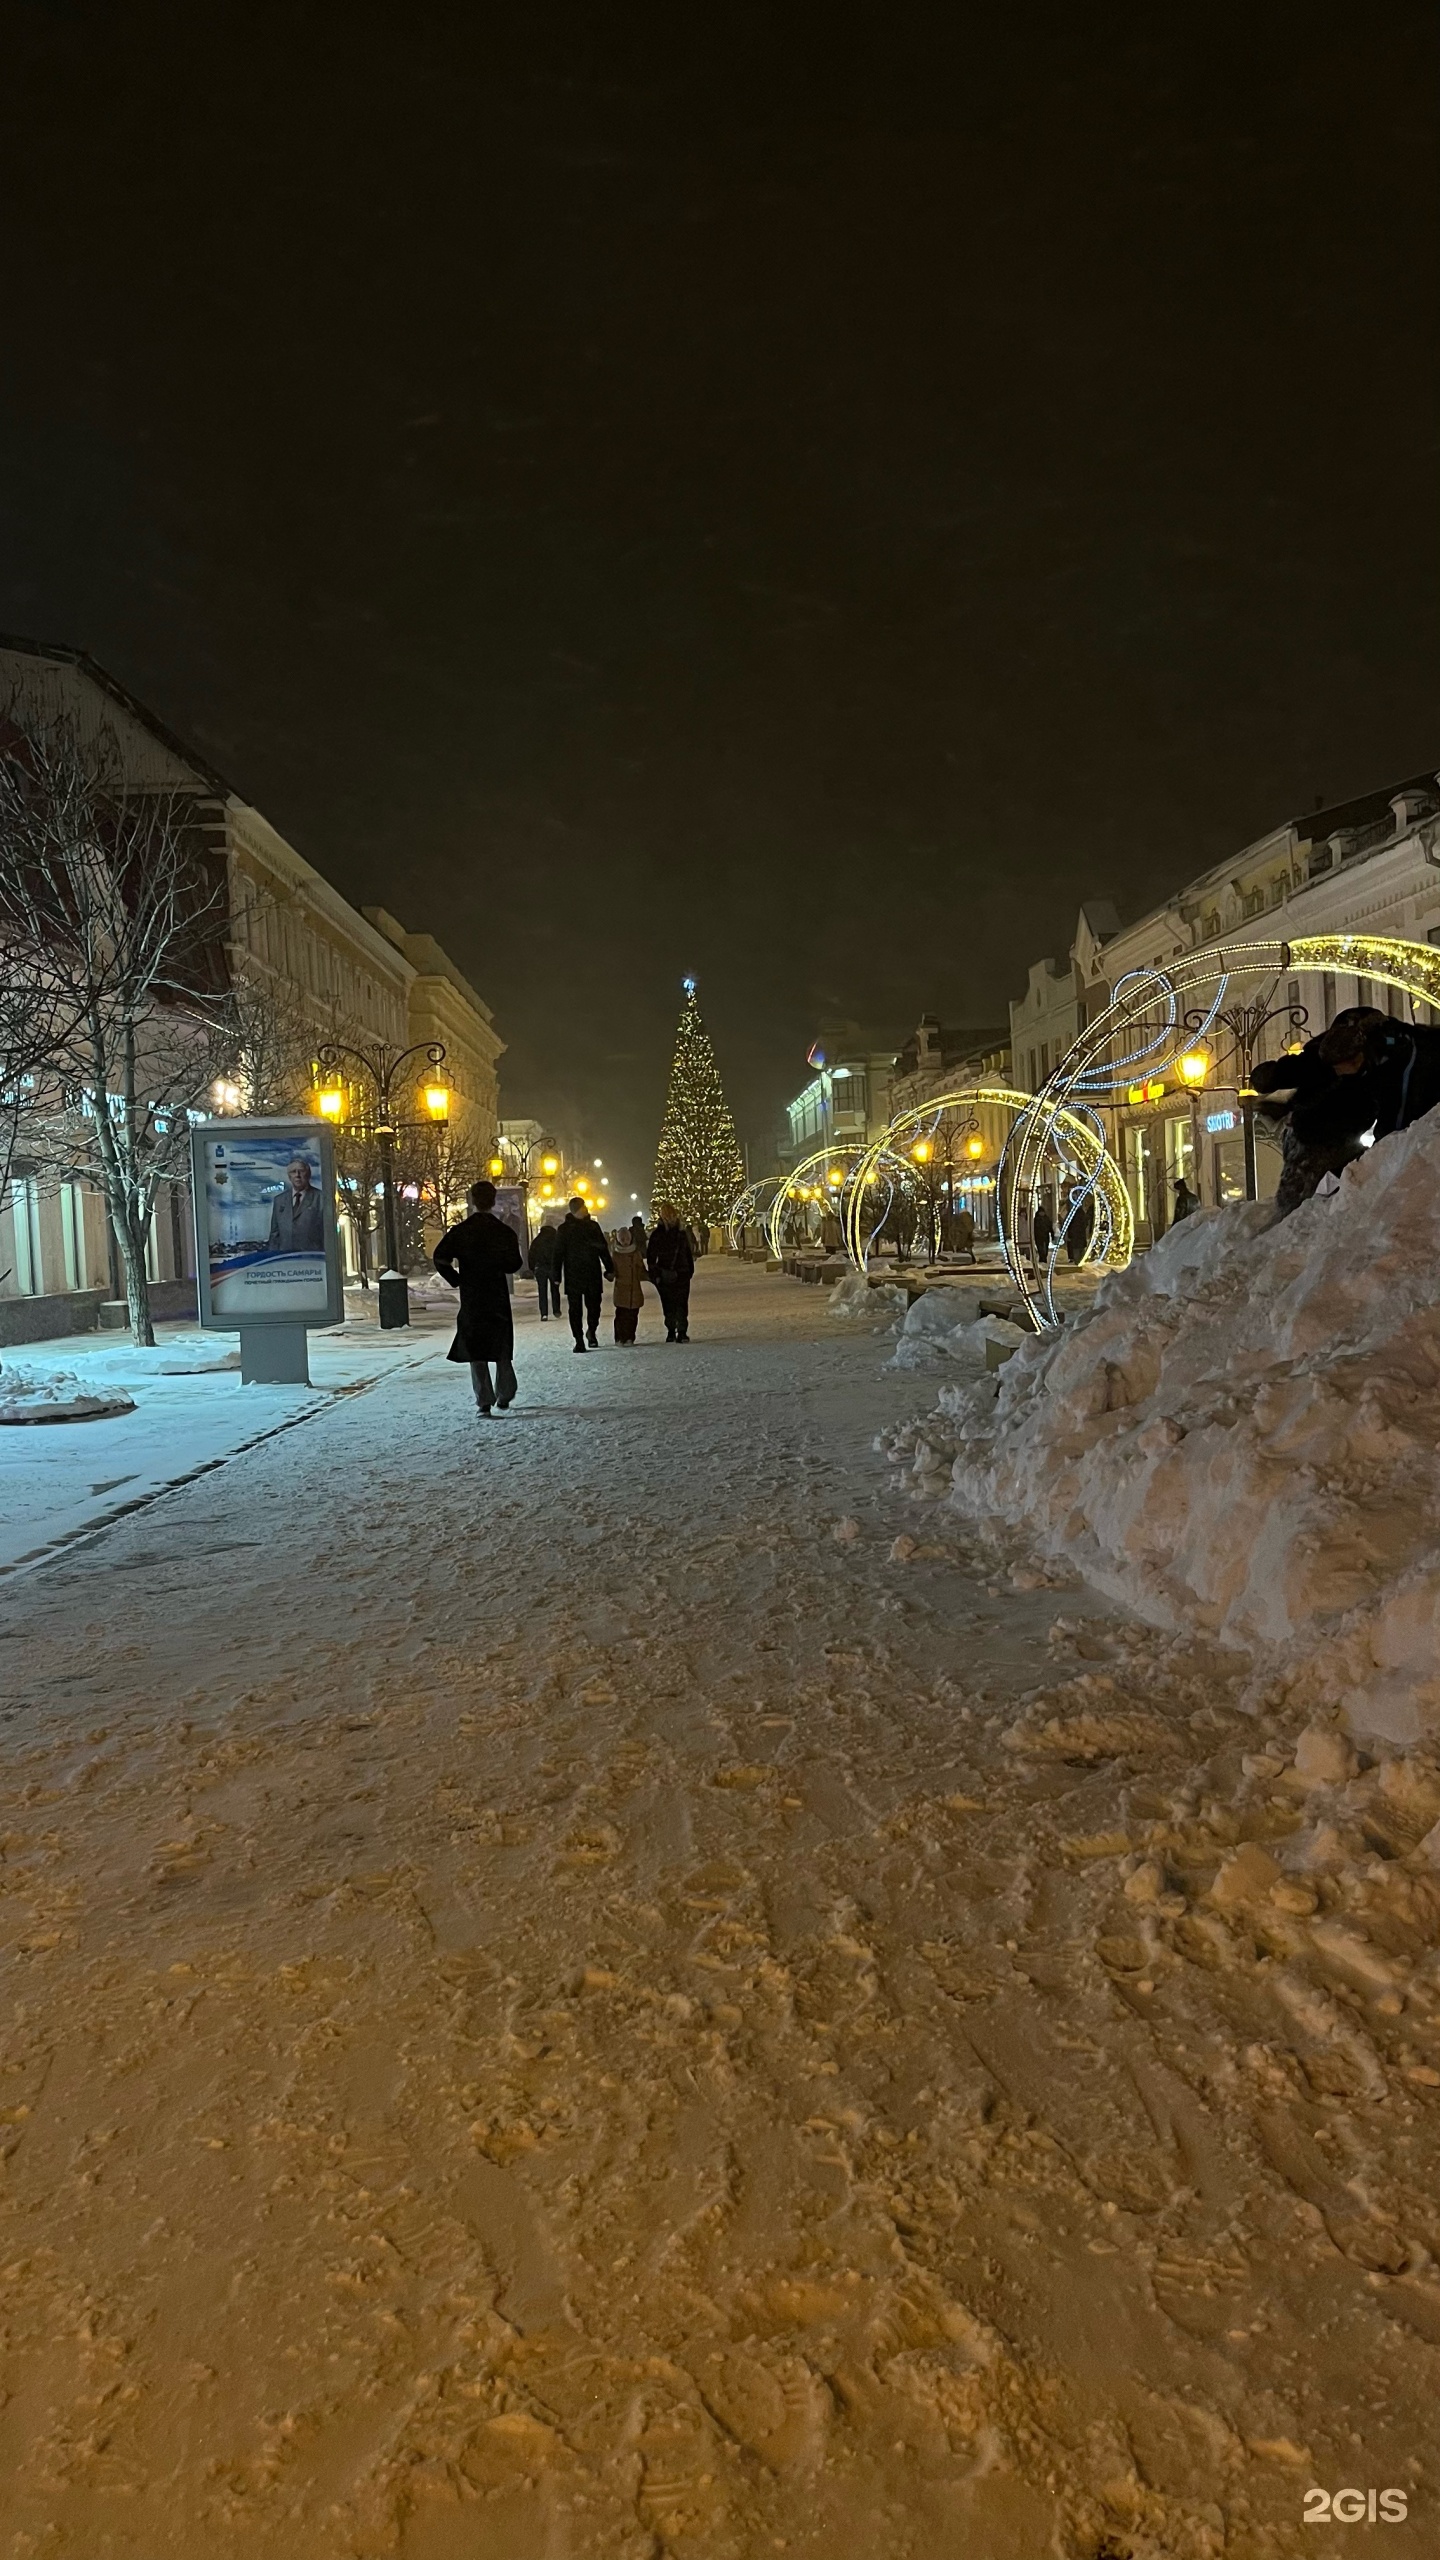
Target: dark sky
(802,494)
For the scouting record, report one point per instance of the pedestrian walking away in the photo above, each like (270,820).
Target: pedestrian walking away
(670,1261)
(629,1292)
(544,1255)
(637,1234)
(583,1265)
(1079,1226)
(1186,1201)
(1043,1231)
(477,1258)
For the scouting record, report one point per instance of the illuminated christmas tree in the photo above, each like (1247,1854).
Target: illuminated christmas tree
(698,1164)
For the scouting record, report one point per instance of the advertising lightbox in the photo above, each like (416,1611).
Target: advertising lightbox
(267,1249)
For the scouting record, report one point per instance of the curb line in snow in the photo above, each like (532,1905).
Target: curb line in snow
(324,1398)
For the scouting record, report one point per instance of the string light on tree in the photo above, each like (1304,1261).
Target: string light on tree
(698,1164)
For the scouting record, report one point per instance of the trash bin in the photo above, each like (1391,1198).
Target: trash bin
(394,1300)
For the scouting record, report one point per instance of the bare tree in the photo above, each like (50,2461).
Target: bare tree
(113,901)
(447,1161)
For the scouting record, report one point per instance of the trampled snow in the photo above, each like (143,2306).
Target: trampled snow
(599,1984)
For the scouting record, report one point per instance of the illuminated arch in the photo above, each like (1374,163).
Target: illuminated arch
(862,1170)
(1073,1154)
(752,1209)
(810,1181)
(1154,1016)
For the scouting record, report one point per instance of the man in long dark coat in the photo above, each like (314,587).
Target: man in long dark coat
(583,1265)
(670,1261)
(477,1258)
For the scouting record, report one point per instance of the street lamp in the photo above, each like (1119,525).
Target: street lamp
(1194,1068)
(1245,1023)
(382,1064)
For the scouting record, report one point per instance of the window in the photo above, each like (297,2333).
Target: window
(1044,1061)
(1032,1071)
(25,1224)
(1253,902)
(72,1233)
(1210,927)
(1327,997)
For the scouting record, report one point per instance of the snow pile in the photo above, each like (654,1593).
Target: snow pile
(188,1355)
(1244,1435)
(945,1328)
(56,1395)
(855,1302)
(430,1289)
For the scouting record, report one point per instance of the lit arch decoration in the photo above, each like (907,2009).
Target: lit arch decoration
(861,1168)
(1073,1149)
(752,1209)
(1151,1020)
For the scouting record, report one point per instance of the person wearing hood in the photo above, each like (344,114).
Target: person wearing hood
(477,1258)
(583,1265)
(629,1291)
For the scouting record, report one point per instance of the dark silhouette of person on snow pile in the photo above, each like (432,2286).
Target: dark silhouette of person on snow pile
(1354,1084)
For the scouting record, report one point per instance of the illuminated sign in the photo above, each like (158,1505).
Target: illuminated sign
(1215,1121)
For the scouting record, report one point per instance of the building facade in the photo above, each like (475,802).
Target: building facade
(1370,865)
(335,973)
(846,1102)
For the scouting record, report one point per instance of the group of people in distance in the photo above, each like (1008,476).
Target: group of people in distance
(479,1256)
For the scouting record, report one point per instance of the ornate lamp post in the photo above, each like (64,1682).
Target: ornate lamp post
(513,1156)
(382,1065)
(1245,1023)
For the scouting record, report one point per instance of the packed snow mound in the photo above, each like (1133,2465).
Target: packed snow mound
(945,1329)
(57,1395)
(1244,1435)
(186,1355)
(854,1301)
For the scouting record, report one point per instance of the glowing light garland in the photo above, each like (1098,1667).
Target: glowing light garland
(1072,1152)
(869,1178)
(1140,1037)
(752,1208)
(698,1163)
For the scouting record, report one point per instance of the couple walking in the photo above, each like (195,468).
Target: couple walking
(479,1255)
(576,1257)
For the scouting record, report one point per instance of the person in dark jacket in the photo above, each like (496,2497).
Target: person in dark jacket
(1186,1201)
(1043,1231)
(583,1265)
(670,1261)
(1354,1084)
(544,1256)
(1079,1225)
(637,1234)
(477,1258)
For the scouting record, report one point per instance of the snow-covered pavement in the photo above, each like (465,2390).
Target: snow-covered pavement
(63,1481)
(596,1983)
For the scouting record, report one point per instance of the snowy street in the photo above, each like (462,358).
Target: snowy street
(603,1982)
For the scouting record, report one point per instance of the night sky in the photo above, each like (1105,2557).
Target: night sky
(800,494)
